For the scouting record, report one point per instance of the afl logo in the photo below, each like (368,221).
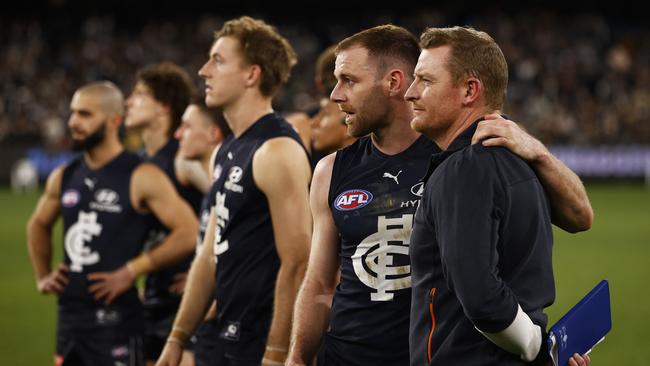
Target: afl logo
(70,198)
(352,199)
(217,172)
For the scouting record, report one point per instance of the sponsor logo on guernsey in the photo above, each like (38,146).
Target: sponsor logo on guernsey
(107,317)
(106,200)
(418,189)
(89,183)
(231,331)
(352,199)
(391,176)
(70,198)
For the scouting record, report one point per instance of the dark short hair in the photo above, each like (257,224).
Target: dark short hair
(325,70)
(171,86)
(384,42)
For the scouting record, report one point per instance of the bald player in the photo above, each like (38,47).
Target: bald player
(108,199)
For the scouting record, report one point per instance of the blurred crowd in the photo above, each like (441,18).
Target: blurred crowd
(580,79)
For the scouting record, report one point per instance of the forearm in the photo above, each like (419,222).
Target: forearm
(310,320)
(178,245)
(286,289)
(522,337)
(39,244)
(571,209)
(198,294)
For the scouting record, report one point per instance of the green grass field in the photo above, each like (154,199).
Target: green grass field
(616,248)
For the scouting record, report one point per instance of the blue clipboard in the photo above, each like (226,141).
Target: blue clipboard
(583,327)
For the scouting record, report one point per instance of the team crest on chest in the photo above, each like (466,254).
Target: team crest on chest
(352,199)
(376,261)
(78,235)
(234,176)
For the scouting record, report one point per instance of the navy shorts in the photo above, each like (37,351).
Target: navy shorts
(207,346)
(157,326)
(83,350)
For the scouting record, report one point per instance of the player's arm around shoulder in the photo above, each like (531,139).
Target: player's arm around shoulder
(152,191)
(311,313)
(39,236)
(281,170)
(571,209)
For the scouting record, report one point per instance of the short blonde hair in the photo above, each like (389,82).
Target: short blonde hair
(262,45)
(473,53)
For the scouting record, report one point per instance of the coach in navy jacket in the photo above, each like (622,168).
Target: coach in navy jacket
(482,241)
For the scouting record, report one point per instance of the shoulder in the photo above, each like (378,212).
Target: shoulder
(146,173)
(280,147)
(359,145)
(323,170)
(470,160)
(481,163)
(470,168)
(349,154)
(55,179)
(280,163)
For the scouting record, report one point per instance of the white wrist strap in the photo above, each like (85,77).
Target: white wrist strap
(522,337)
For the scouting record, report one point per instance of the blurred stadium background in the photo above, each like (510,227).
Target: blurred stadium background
(579,80)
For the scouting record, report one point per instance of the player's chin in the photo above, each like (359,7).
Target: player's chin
(130,122)
(356,129)
(211,100)
(418,124)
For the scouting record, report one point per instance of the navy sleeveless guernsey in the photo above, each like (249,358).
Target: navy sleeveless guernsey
(247,262)
(373,198)
(157,294)
(102,231)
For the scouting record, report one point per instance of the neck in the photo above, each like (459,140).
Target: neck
(205,160)
(246,111)
(154,136)
(466,118)
(397,135)
(103,153)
